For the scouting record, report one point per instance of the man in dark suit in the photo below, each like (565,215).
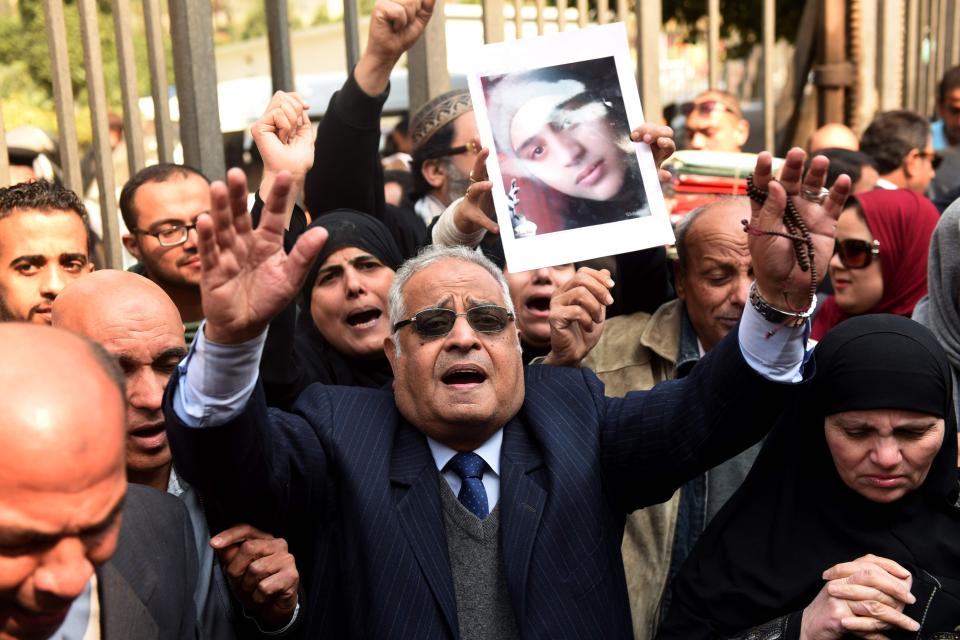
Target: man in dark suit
(476,499)
(81,556)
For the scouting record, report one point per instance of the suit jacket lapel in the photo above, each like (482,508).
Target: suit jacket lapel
(521,508)
(414,472)
(123,616)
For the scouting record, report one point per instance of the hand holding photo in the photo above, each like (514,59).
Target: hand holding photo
(566,174)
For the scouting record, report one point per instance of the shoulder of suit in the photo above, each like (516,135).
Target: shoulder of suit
(150,512)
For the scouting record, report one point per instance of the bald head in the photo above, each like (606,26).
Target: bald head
(139,325)
(40,403)
(714,271)
(61,473)
(113,298)
(833,136)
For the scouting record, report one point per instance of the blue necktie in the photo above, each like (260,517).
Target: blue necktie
(469,466)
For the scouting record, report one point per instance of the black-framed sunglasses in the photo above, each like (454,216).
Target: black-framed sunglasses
(705,108)
(470,147)
(856,254)
(935,158)
(170,234)
(435,322)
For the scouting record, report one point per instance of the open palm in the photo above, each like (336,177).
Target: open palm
(247,278)
(779,277)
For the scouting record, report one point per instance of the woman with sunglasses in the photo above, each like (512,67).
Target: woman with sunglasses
(880,257)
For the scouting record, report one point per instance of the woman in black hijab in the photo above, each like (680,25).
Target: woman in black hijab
(865,463)
(337,337)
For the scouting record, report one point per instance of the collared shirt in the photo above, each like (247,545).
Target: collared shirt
(883,183)
(489,451)
(83,619)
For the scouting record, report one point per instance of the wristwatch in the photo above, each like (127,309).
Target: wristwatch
(778,316)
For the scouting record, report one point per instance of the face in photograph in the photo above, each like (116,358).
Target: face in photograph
(570,145)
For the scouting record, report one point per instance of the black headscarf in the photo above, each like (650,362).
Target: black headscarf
(319,361)
(762,557)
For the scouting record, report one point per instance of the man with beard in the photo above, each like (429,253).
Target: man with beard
(160,206)
(43,247)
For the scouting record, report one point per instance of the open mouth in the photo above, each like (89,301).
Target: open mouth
(538,305)
(150,436)
(364,319)
(464,377)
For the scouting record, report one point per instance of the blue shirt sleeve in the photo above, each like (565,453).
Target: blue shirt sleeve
(216,380)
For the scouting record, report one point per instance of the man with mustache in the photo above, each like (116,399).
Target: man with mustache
(43,247)
(160,206)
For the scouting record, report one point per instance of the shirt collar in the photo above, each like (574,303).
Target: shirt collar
(883,183)
(689,350)
(489,451)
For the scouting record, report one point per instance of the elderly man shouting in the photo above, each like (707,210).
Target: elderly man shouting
(476,499)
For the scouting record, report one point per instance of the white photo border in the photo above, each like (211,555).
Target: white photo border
(585,243)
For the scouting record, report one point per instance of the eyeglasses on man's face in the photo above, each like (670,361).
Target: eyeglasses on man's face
(935,158)
(705,107)
(169,234)
(469,147)
(856,254)
(435,322)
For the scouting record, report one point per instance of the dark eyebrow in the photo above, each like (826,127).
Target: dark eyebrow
(34,260)
(364,258)
(331,269)
(172,352)
(12,536)
(70,257)
(175,221)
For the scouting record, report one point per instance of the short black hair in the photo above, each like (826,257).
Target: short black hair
(843,161)
(430,150)
(156,173)
(949,82)
(41,195)
(891,136)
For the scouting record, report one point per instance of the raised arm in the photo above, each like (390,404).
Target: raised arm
(224,443)
(347,172)
(654,441)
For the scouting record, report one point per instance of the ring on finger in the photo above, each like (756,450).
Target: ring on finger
(816,196)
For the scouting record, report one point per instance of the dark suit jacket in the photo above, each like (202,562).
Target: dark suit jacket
(355,489)
(146,588)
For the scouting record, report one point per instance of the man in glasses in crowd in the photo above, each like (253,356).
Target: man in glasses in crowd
(443,133)
(902,147)
(715,122)
(43,248)
(160,206)
(474,498)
